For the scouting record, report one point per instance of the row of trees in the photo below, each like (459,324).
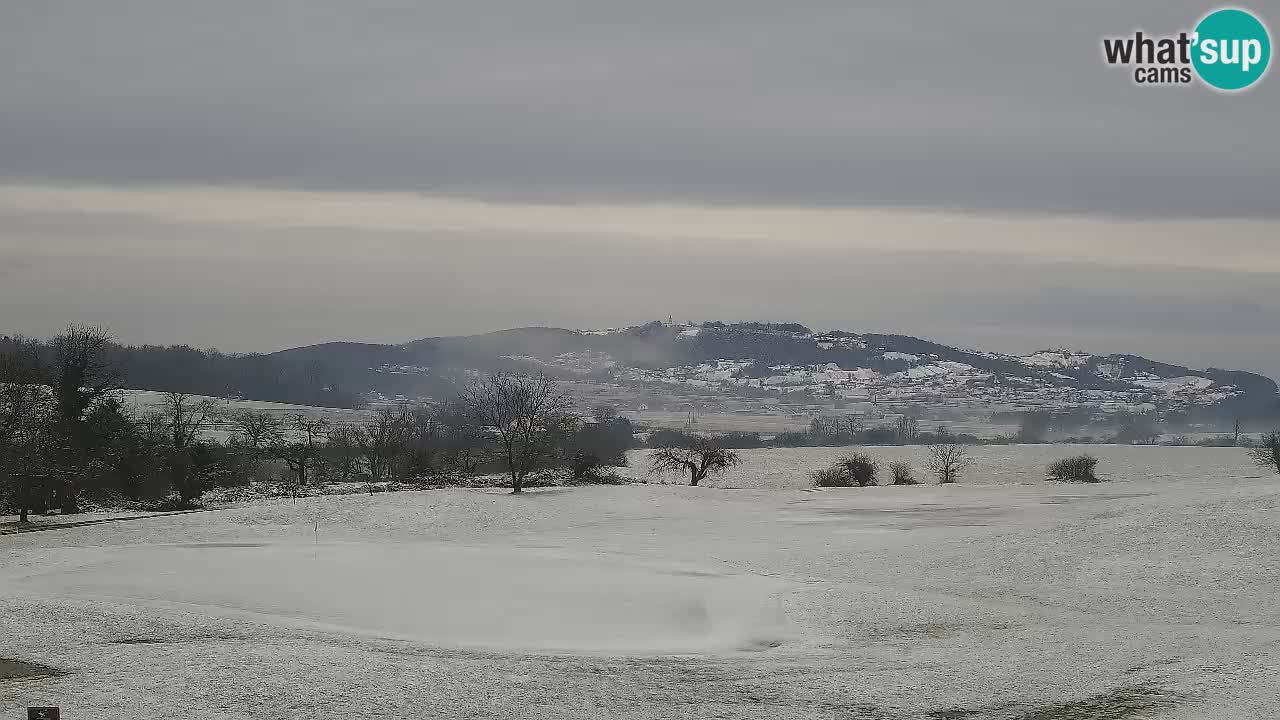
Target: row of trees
(1123,428)
(66,433)
(847,430)
(1034,427)
(515,424)
(286,377)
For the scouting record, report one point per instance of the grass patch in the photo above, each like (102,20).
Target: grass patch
(1122,703)
(20,670)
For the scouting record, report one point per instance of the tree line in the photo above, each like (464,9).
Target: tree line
(68,436)
(181,368)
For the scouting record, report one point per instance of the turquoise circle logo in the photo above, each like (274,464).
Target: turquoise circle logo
(1232,49)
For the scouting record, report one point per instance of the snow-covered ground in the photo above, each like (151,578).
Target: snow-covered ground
(220,428)
(991,464)
(1002,597)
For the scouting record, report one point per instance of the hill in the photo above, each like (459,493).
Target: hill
(789,359)
(748,360)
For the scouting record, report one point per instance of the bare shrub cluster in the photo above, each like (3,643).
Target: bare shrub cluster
(856,470)
(1079,468)
(860,469)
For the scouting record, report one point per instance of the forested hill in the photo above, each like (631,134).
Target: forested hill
(341,374)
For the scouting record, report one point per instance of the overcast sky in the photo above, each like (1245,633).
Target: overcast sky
(257,175)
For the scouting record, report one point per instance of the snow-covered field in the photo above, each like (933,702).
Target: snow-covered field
(220,428)
(992,464)
(1001,597)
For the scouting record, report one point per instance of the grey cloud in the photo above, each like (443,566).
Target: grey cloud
(985,107)
(392,287)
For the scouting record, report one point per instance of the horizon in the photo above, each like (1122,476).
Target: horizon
(674,322)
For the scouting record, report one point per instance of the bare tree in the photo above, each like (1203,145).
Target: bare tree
(1235,432)
(302,451)
(342,451)
(422,442)
(948,461)
(380,439)
(835,429)
(257,432)
(902,473)
(154,427)
(852,425)
(405,442)
(465,444)
(700,457)
(524,411)
(1266,452)
(187,415)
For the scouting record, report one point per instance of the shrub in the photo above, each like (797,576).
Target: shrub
(830,477)
(588,470)
(1266,452)
(902,473)
(585,466)
(879,435)
(856,470)
(861,469)
(607,439)
(1074,469)
(171,503)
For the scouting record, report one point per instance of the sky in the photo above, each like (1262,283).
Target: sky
(259,175)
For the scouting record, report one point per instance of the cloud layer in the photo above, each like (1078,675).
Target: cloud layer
(987,107)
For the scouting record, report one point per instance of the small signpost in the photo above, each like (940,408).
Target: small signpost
(43,713)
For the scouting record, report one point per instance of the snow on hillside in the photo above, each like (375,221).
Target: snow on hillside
(1051,378)
(898,369)
(1055,359)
